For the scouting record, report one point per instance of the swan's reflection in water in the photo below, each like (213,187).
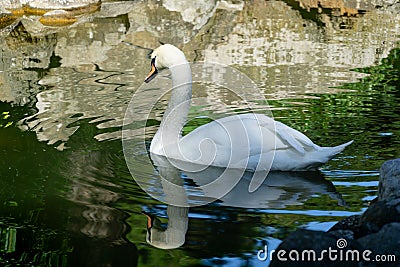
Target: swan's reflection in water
(279,190)
(173,236)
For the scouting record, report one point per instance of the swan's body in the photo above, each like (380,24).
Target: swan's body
(247,141)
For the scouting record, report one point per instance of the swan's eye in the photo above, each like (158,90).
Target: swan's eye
(149,54)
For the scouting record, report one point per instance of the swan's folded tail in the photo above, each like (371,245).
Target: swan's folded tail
(333,151)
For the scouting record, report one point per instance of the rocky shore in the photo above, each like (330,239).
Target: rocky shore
(369,239)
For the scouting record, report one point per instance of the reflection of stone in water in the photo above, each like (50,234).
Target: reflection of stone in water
(45,17)
(40,7)
(22,56)
(301,56)
(341,6)
(6,19)
(35,51)
(198,13)
(75,7)
(92,189)
(345,7)
(175,22)
(103,222)
(271,41)
(193,12)
(58,105)
(57,18)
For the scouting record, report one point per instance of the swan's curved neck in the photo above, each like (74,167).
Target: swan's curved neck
(178,106)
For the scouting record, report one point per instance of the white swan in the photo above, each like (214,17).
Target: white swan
(246,141)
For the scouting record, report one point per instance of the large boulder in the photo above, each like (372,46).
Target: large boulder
(306,248)
(385,243)
(389,182)
(379,214)
(376,231)
(348,228)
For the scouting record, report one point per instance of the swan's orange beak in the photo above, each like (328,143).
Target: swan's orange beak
(153,72)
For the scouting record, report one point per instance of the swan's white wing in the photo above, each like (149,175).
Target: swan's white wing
(227,142)
(252,141)
(294,138)
(237,141)
(286,137)
(252,133)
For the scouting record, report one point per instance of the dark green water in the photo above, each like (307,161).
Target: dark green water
(67,197)
(81,206)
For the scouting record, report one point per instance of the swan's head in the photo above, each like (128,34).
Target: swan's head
(165,56)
